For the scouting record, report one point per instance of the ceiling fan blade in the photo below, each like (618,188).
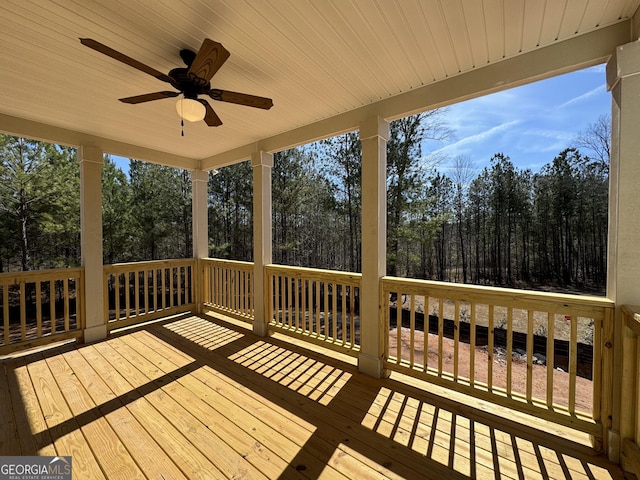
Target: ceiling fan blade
(149,97)
(208,60)
(241,98)
(99,47)
(211,118)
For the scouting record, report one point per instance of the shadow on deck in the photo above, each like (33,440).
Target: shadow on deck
(198,397)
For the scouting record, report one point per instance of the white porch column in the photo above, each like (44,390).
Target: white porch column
(623,79)
(200,213)
(91,241)
(374,133)
(262,163)
(199,224)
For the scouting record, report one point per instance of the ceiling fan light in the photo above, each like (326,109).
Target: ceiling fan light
(190,110)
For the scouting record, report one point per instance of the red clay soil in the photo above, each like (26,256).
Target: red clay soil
(584,387)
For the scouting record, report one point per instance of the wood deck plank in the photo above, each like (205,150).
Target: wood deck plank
(115,404)
(67,435)
(34,436)
(294,375)
(285,372)
(170,424)
(413,428)
(318,446)
(225,415)
(535,435)
(243,358)
(113,456)
(335,427)
(200,426)
(9,443)
(180,450)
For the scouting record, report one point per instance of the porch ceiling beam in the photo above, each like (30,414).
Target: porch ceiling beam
(562,57)
(40,131)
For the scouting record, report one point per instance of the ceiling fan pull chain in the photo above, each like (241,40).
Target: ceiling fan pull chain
(181,119)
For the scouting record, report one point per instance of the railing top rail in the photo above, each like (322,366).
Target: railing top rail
(481,293)
(149,263)
(632,317)
(224,261)
(11,278)
(348,277)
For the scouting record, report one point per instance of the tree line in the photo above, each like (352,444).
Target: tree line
(145,215)
(499,226)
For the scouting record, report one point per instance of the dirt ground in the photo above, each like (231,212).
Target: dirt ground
(520,319)
(584,387)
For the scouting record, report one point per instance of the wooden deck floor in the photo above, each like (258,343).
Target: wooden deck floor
(196,398)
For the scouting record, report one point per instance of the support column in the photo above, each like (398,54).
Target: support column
(374,133)
(262,163)
(91,241)
(623,80)
(200,213)
(200,225)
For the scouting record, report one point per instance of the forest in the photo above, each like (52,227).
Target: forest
(498,225)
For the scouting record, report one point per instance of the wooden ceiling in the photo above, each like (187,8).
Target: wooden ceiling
(315,58)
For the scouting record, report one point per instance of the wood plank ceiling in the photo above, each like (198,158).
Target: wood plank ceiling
(315,58)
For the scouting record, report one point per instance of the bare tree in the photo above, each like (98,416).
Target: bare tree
(597,139)
(463,173)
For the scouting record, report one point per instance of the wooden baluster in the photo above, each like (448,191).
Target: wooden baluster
(39,307)
(529,391)
(472,345)
(412,330)
(65,290)
(551,332)
(573,363)
(510,351)
(490,342)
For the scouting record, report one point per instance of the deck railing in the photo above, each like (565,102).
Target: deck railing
(545,354)
(40,307)
(550,355)
(630,395)
(227,287)
(142,291)
(322,306)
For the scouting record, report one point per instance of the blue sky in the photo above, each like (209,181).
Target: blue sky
(530,124)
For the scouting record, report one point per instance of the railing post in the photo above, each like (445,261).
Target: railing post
(262,164)
(374,133)
(623,80)
(630,395)
(200,223)
(91,241)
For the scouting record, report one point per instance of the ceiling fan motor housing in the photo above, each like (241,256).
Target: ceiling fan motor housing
(190,85)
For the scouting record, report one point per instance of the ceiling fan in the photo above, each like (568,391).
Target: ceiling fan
(190,82)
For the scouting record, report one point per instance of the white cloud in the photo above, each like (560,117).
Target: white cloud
(583,97)
(477,138)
